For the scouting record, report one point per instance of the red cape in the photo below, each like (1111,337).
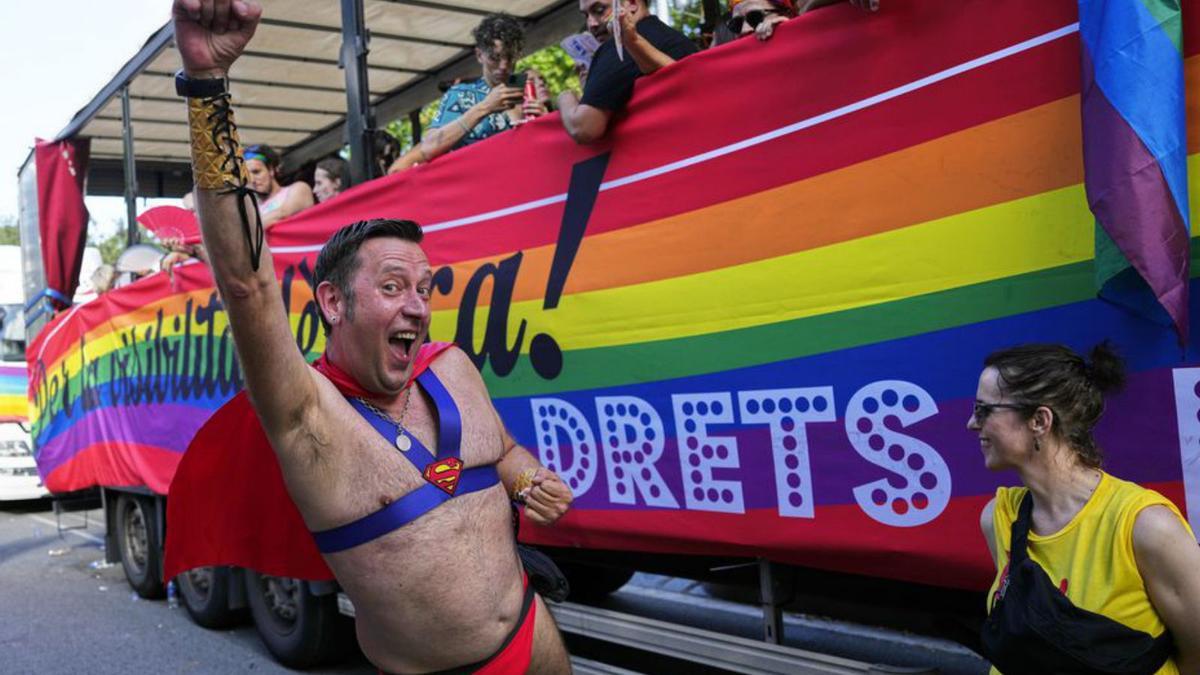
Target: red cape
(227,504)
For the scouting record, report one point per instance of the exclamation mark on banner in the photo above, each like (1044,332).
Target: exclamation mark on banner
(586,176)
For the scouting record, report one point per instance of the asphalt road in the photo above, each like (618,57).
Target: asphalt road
(64,611)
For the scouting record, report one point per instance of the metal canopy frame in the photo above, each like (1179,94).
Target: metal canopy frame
(318,76)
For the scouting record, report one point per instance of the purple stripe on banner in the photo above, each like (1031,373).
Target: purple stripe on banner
(168,426)
(1129,195)
(13,371)
(1138,436)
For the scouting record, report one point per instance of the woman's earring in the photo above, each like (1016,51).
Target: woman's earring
(333,319)
(1037,447)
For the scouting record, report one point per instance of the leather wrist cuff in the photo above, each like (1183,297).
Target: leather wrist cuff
(216,152)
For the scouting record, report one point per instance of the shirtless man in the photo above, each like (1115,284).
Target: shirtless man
(445,589)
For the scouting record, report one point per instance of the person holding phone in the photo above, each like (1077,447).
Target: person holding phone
(472,111)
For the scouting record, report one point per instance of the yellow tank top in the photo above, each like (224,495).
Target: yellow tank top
(1091,558)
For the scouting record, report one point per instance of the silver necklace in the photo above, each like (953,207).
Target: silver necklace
(403,440)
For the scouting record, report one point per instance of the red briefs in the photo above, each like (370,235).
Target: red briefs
(515,653)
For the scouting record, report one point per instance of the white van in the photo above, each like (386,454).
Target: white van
(18,472)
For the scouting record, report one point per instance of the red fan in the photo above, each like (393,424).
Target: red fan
(171,222)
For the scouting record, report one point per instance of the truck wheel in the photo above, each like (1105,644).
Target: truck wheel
(300,629)
(137,537)
(205,593)
(591,583)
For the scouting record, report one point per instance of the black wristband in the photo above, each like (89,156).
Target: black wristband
(201,87)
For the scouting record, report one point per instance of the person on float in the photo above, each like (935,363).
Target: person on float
(1078,552)
(390,448)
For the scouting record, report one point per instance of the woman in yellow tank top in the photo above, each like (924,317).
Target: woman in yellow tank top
(1109,546)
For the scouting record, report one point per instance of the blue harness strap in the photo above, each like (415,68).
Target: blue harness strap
(402,511)
(449,420)
(430,495)
(389,431)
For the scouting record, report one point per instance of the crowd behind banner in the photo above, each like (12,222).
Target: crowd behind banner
(622,41)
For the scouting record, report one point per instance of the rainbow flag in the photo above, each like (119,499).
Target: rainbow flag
(1135,151)
(750,323)
(14,384)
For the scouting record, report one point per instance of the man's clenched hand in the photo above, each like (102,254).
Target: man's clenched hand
(211,34)
(548,498)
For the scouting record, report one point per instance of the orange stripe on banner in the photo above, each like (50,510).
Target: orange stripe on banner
(1018,156)
(135,316)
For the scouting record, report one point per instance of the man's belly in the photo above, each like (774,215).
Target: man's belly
(440,592)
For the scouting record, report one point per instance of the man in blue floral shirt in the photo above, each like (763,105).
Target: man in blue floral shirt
(472,111)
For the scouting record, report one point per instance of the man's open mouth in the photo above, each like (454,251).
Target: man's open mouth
(403,339)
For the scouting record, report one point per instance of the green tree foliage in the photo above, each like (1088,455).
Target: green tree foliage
(402,128)
(9,234)
(555,66)
(112,244)
(687,16)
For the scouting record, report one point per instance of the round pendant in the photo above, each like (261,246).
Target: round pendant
(403,442)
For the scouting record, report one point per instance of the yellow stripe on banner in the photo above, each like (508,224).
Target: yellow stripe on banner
(1193,164)
(14,406)
(1047,230)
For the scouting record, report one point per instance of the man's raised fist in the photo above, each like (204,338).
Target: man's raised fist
(211,34)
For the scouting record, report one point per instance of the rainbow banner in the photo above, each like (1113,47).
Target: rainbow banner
(14,384)
(751,323)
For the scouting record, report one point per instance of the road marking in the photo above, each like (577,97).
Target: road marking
(90,537)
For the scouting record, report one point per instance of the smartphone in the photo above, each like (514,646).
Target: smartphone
(517,80)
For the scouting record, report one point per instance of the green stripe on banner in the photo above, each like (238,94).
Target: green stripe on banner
(602,367)
(1169,18)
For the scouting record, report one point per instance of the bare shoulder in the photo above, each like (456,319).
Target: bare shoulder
(455,365)
(986,519)
(1158,526)
(301,194)
(987,515)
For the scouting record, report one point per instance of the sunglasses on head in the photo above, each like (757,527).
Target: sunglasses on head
(754,17)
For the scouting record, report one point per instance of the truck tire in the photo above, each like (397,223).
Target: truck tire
(591,583)
(300,629)
(205,594)
(137,537)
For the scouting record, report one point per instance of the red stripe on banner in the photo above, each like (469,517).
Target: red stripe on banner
(463,183)
(114,465)
(1191,28)
(950,551)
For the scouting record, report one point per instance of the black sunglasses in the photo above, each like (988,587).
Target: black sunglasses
(753,17)
(984,410)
